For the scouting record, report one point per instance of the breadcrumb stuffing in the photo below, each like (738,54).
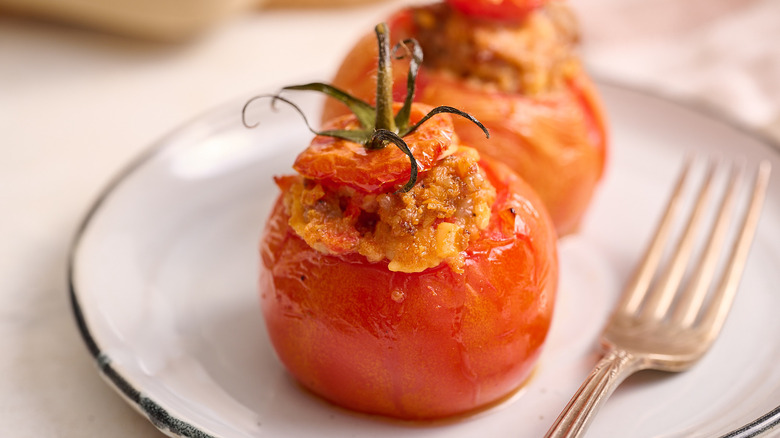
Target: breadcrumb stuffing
(432,223)
(530,58)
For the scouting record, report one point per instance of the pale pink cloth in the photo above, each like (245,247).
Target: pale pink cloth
(724,53)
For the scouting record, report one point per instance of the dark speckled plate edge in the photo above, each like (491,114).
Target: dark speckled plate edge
(156,414)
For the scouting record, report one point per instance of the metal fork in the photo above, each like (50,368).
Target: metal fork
(658,324)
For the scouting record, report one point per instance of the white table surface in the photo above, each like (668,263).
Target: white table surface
(77,105)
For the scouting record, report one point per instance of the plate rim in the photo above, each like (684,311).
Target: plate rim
(178,427)
(159,417)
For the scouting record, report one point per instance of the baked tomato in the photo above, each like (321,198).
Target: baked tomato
(522,80)
(416,281)
(423,342)
(513,10)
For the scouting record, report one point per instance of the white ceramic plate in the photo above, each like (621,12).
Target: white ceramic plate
(163,285)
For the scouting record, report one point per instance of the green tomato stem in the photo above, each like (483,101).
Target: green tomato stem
(384,82)
(388,128)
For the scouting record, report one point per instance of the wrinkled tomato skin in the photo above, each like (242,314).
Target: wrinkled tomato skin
(504,10)
(343,163)
(556,141)
(415,346)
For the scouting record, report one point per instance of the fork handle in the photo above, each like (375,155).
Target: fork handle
(611,370)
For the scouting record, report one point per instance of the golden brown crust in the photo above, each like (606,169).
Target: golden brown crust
(432,223)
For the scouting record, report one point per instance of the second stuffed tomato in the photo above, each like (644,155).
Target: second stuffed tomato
(512,65)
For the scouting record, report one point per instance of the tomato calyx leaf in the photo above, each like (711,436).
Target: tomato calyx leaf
(378,125)
(415,54)
(364,111)
(353,135)
(449,110)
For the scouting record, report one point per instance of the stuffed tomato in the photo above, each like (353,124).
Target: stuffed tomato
(415,306)
(401,273)
(512,65)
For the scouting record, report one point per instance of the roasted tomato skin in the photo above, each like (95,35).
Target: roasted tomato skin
(422,345)
(343,163)
(556,141)
(509,10)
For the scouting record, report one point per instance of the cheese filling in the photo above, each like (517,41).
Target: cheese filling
(432,223)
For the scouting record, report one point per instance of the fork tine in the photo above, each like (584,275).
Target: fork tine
(690,300)
(714,316)
(635,289)
(660,297)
